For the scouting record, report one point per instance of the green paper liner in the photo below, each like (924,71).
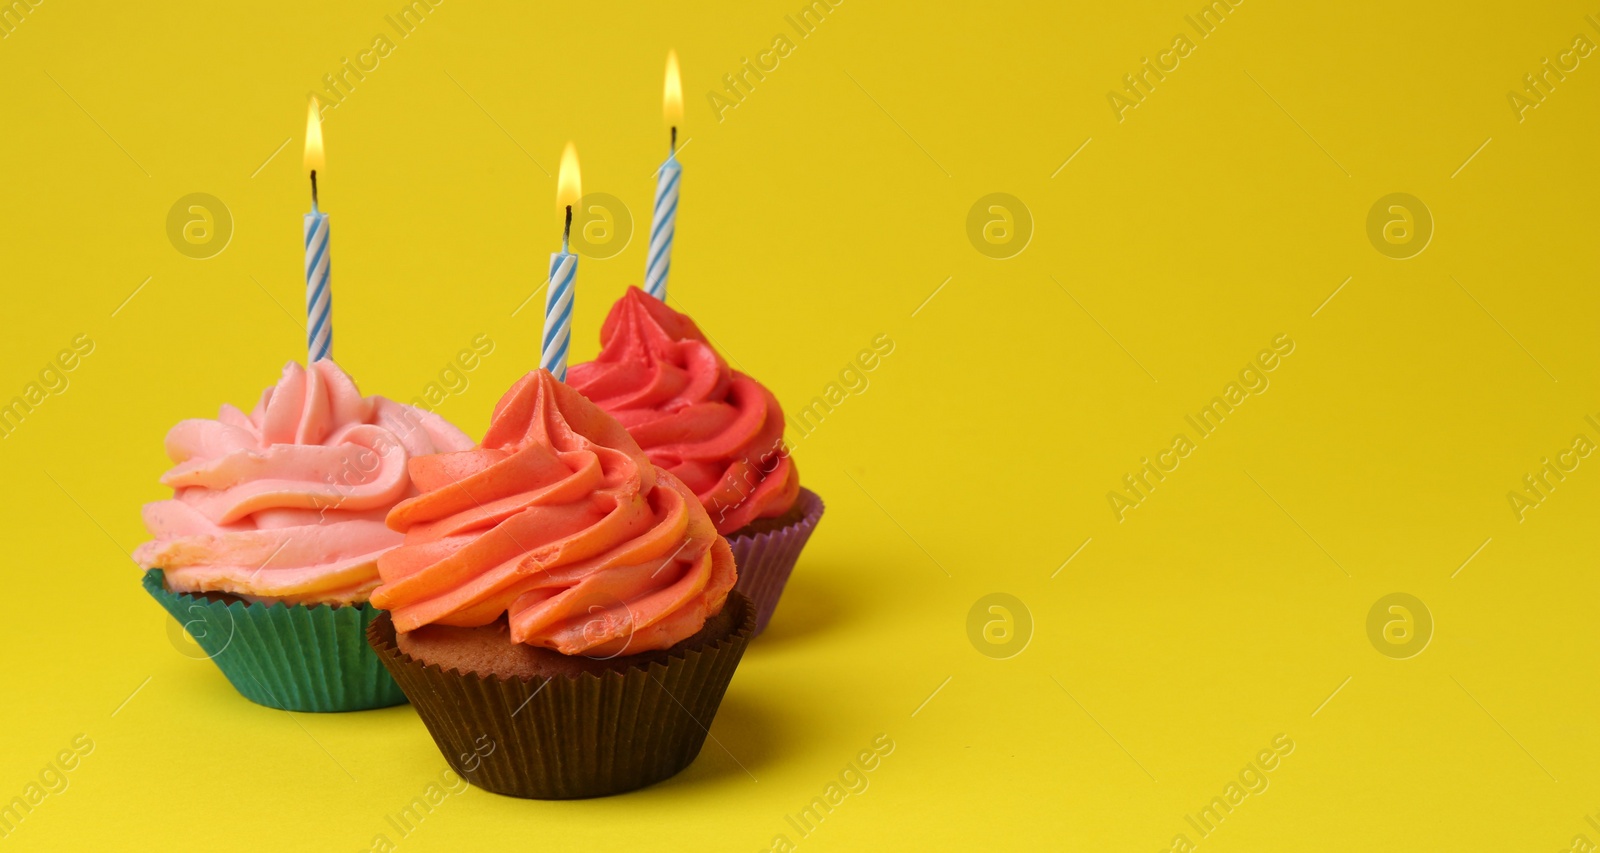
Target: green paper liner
(765,560)
(291,657)
(568,737)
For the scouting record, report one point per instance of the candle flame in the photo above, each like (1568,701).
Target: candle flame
(672,93)
(316,161)
(569,186)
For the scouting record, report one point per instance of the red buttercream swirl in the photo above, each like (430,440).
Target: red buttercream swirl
(715,428)
(561,522)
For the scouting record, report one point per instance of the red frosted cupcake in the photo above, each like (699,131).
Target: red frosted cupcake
(561,614)
(716,429)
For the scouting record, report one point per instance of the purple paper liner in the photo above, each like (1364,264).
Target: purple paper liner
(765,560)
(567,737)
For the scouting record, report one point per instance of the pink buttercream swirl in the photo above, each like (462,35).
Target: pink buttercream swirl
(288,503)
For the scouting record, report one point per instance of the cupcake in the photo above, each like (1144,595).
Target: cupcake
(714,428)
(560,614)
(269,547)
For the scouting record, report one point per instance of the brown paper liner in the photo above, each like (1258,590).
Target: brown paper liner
(599,733)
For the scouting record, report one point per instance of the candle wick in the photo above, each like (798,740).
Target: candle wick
(313,189)
(672,148)
(566,232)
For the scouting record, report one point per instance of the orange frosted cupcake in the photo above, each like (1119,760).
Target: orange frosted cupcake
(561,614)
(716,429)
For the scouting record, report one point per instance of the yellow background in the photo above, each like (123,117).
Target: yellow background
(820,213)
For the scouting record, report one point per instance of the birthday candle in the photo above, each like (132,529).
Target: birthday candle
(664,222)
(319,291)
(563,275)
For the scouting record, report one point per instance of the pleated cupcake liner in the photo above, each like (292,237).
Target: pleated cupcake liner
(765,560)
(290,657)
(569,737)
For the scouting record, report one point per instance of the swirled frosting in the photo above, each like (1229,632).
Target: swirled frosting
(559,521)
(716,429)
(288,503)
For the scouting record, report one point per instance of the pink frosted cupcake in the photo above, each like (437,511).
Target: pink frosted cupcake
(268,549)
(716,429)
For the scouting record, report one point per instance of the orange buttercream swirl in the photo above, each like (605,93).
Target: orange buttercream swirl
(561,522)
(715,428)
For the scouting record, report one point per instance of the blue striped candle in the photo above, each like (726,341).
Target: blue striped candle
(563,274)
(319,293)
(664,222)
(662,227)
(558,312)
